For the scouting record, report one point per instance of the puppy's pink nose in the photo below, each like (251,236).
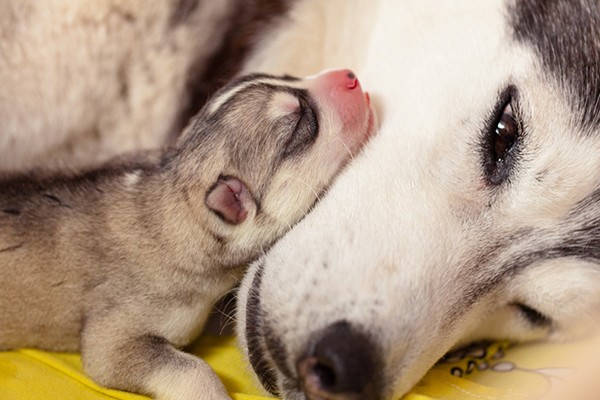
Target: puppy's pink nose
(339,94)
(342,78)
(352,81)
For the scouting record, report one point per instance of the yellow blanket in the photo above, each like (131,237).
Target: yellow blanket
(496,371)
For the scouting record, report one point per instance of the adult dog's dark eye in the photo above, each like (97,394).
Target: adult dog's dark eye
(502,140)
(505,134)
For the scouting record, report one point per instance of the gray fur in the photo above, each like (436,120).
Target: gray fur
(124,262)
(565,37)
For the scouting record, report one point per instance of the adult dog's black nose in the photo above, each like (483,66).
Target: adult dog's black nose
(341,363)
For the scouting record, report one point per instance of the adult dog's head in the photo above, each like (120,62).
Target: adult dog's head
(474,214)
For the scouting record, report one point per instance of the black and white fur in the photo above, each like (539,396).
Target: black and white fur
(449,228)
(124,262)
(429,240)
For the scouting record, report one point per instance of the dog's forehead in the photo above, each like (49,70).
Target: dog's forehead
(566,37)
(258,87)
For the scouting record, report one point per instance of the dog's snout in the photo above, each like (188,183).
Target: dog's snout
(340,363)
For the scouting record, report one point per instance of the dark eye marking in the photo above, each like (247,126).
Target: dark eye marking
(289,78)
(305,132)
(533,316)
(501,139)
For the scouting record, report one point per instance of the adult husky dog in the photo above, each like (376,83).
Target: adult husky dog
(473,214)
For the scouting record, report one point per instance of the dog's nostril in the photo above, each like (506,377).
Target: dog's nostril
(325,374)
(340,363)
(352,81)
(316,376)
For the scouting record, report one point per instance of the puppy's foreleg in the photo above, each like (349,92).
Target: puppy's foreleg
(187,377)
(146,363)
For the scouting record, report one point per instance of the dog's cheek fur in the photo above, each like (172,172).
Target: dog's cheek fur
(561,293)
(566,291)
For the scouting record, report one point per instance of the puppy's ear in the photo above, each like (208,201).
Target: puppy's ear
(230,199)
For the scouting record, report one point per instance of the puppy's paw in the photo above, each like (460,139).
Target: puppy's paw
(149,364)
(193,381)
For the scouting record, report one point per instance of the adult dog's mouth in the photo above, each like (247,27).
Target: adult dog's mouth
(256,339)
(266,352)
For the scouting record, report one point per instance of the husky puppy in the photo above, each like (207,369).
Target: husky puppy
(124,262)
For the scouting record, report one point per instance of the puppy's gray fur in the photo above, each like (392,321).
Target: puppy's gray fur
(129,258)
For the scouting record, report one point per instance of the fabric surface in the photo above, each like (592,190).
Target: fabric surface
(493,371)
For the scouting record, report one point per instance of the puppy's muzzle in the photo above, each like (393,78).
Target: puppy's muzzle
(340,363)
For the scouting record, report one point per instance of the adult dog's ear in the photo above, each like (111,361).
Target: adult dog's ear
(230,199)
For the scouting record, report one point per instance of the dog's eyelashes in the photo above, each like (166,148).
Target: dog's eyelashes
(501,139)
(533,316)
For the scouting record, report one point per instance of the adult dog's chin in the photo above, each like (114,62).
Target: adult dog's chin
(252,335)
(265,352)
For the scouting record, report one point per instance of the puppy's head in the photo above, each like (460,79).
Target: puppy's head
(264,149)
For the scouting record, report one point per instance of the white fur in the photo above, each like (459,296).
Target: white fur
(131,178)
(200,384)
(399,228)
(283,104)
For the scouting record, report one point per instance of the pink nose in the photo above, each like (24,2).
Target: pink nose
(341,78)
(339,93)
(340,86)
